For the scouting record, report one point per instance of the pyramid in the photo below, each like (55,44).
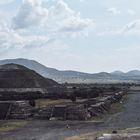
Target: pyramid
(19,79)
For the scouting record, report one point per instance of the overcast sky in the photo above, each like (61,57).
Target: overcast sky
(84,35)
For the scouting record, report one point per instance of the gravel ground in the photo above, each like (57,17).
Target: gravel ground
(57,130)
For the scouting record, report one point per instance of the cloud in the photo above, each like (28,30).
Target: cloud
(35,26)
(31,13)
(134,25)
(76,24)
(58,17)
(3,2)
(131,12)
(114,11)
(81,0)
(10,38)
(132,28)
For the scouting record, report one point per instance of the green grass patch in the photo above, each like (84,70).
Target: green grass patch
(118,107)
(115,108)
(12,125)
(131,130)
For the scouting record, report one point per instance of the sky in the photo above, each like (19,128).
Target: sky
(83,35)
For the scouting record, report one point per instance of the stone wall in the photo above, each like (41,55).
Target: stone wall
(83,111)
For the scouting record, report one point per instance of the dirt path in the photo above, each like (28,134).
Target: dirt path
(57,130)
(44,130)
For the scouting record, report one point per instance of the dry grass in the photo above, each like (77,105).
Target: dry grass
(46,102)
(87,136)
(131,130)
(73,138)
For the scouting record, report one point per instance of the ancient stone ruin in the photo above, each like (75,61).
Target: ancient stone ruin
(15,110)
(19,85)
(79,111)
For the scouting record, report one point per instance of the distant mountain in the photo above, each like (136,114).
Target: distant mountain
(118,73)
(46,71)
(73,76)
(133,73)
(31,64)
(129,73)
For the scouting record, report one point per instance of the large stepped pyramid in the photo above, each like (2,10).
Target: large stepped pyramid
(18,80)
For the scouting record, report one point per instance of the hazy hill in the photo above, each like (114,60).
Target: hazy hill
(133,73)
(118,73)
(46,71)
(73,76)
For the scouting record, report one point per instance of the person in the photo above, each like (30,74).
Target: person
(68,126)
(114,132)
